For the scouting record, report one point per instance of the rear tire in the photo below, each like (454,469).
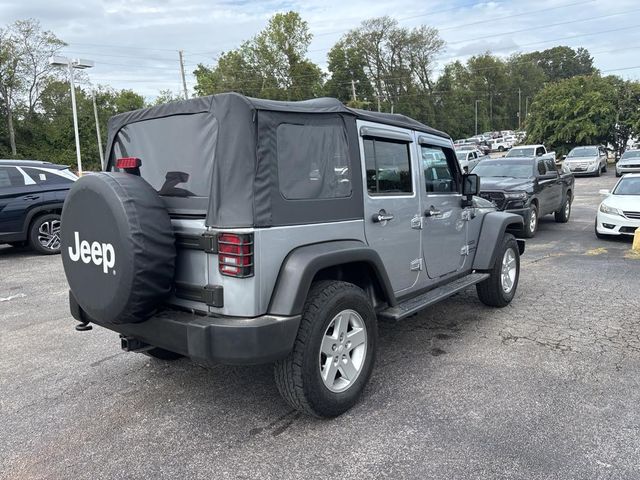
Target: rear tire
(531,222)
(162,354)
(337,318)
(44,234)
(499,289)
(562,215)
(604,169)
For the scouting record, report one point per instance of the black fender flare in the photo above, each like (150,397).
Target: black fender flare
(303,263)
(34,212)
(494,226)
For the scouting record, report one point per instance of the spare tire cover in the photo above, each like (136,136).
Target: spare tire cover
(118,248)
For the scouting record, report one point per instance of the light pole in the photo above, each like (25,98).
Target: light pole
(80,64)
(477,101)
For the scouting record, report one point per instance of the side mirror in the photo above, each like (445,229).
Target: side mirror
(470,184)
(604,192)
(564,156)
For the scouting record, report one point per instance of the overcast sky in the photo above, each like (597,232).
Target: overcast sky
(135,42)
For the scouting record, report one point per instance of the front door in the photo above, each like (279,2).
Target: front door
(391,201)
(444,236)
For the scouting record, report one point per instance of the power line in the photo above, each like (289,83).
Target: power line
(548,25)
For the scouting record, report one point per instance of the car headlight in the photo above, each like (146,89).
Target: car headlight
(515,195)
(610,210)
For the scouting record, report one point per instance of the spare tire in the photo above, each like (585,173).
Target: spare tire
(118,247)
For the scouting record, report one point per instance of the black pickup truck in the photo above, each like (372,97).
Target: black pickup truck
(531,187)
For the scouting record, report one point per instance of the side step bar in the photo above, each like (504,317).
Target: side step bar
(415,304)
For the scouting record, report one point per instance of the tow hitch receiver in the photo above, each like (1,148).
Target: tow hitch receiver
(132,344)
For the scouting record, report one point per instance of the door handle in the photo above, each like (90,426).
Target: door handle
(381,216)
(432,212)
(31,197)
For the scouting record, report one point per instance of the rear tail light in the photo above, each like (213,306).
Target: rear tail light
(129,164)
(235,254)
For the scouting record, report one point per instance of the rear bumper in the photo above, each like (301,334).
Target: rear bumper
(207,339)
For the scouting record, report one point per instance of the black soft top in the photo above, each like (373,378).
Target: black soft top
(233,143)
(316,105)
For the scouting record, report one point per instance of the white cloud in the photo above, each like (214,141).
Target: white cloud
(135,44)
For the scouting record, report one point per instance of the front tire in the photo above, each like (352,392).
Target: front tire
(334,351)
(562,215)
(499,289)
(44,234)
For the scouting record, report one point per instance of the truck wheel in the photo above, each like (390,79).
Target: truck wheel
(499,289)
(501,148)
(162,354)
(531,222)
(562,215)
(334,352)
(44,234)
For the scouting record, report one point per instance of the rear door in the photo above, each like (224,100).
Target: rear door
(555,187)
(18,193)
(391,201)
(444,237)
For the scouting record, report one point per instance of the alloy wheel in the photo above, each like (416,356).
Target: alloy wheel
(509,270)
(49,234)
(343,351)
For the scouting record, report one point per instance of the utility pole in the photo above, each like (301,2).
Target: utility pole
(353,91)
(477,116)
(491,111)
(526,109)
(519,107)
(95,113)
(184,81)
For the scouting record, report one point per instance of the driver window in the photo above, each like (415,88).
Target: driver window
(539,151)
(439,176)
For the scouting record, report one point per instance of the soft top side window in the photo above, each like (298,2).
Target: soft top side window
(313,161)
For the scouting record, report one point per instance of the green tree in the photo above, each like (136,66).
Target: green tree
(562,62)
(271,65)
(25,71)
(346,64)
(576,111)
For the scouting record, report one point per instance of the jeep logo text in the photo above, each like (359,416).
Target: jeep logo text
(98,253)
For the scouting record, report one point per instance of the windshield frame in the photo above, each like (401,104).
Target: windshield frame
(635,180)
(503,164)
(520,149)
(593,154)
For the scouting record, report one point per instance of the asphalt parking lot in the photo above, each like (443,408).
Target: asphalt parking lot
(547,388)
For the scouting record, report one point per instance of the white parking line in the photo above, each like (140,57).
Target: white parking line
(6,299)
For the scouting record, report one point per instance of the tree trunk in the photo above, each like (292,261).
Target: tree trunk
(12,133)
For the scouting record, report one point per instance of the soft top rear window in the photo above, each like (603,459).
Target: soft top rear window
(177,152)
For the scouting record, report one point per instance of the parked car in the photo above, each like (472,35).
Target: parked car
(31,197)
(468,159)
(619,212)
(247,250)
(628,163)
(531,151)
(587,160)
(499,144)
(530,187)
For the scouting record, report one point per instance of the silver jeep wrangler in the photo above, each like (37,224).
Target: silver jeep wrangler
(244,231)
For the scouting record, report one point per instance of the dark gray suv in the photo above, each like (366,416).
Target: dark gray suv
(245,231)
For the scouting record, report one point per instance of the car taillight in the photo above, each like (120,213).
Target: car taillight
(235,254)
